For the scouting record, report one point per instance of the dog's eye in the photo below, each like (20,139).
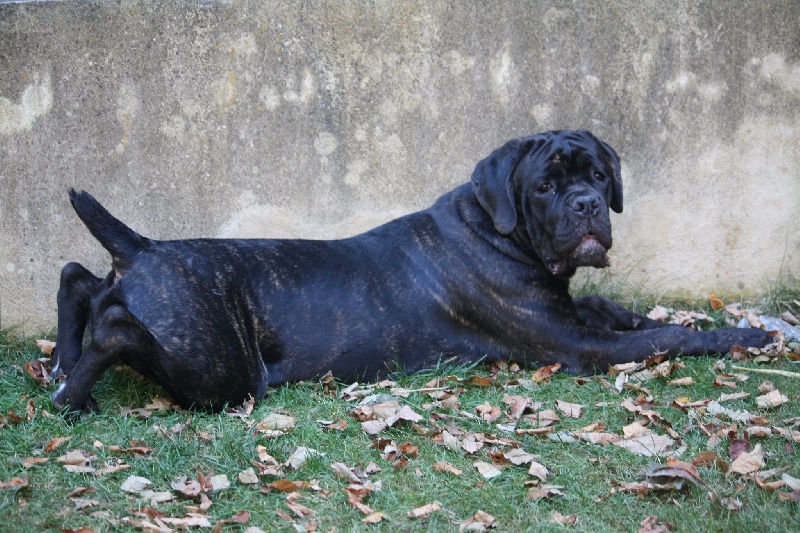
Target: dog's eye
(599,176)
(545,187)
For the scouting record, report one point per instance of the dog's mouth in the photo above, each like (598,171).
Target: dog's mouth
(589,252)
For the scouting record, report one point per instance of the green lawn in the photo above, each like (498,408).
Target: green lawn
(407,465)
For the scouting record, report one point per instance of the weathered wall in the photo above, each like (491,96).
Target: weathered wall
(276,118)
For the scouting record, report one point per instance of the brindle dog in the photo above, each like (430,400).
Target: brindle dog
(483,274)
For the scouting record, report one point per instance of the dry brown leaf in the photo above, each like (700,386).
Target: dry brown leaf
(373,518)
(38,372)
(336,425)
(135,484)
(480,521)
(720,381)
(715,303)
(675,472)
(300,510)
(571,410)
(545,491)
(518,456)
(190,520)
(347,473)
(544,373)
(708,458)
(487,470)
(729,503)
(652,524)
(298,458)
(29,462)
(444,466)
(563,520)
(425,511)
(276,422)
(597,437)
(77,457)
(682,382)
(55,443)
(242,411)
(14,483)
(488,413)
(46,347)
(793,497)
(772,399)
(538,470)
(647,445)
(748,462)
(248,477)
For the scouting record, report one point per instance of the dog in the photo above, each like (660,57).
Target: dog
(482,275)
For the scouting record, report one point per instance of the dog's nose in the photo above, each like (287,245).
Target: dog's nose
(586,205)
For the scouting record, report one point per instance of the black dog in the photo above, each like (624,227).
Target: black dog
(482,274)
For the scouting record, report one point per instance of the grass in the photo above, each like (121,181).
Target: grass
(222,444)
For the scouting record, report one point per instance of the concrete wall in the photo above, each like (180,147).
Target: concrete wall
(315,118)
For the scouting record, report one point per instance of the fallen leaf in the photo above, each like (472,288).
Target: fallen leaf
(14,483)
(708,458)
(715,303)
(30,462)
(248,477)
(287,485)
(518,456)
(242,411)
(46,347)
(135,484)
(300,510)
(444,466)
(729,503)
(538,470)
(682,382)
(190,520)
(544,373)
(488,413)
(647,445)
(771,399)
(793,496)
(336,425)
(487,470)
(37,371)
(425,511)
(562,520)
(276,422)
(480,521)
(675,472)
(652,524)
(748,462)
(298,458)
(55,443)
(374,518)
(545,491)
(571,410)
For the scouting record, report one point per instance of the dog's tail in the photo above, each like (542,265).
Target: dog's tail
(116,237)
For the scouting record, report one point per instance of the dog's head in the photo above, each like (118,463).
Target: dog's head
(553,191)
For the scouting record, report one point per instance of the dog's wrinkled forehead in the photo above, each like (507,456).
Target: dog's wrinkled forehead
(570,149)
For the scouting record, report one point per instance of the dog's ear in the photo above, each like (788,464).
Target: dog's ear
(612,160)
(493,183)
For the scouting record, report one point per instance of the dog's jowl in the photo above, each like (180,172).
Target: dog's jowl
(481,275)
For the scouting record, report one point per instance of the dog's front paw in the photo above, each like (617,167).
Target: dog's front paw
(751,337)
(60,400)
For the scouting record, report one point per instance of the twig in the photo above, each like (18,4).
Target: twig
(769,371)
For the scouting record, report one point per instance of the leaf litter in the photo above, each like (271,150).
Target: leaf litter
(383,407)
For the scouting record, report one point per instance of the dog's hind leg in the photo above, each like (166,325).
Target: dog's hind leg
(75,291)
(117,336)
